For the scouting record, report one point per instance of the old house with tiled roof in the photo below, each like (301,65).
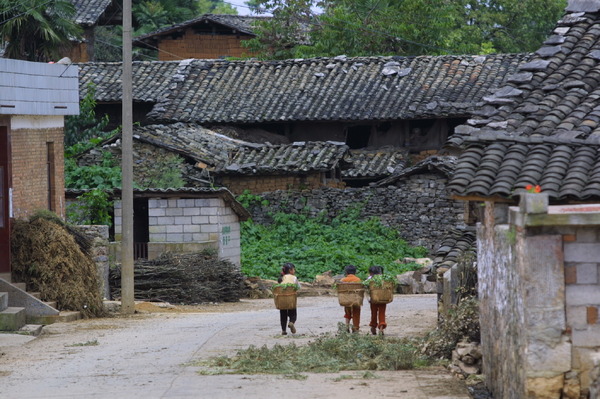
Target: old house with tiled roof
(365,102)
(90,14)
(409,102)
(538,262)
(209,36)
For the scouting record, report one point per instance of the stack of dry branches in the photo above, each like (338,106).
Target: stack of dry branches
(183,278)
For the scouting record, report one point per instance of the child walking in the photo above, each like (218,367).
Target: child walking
(377,309)
(351,312)
(287,276)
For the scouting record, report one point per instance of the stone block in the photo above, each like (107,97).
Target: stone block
(157,229)
(191,228)
(208,211)
(201,202)
(547,359)
(533,203)
(174,229)
(587,235)
(582,252)
(174,212)
(544,388)
(578,295)
(191,211)
(183,220)
(587,273)
(588,337)
(165,220)
(200,219)
(174,237)
(577,317)
(210,228)
(157,211)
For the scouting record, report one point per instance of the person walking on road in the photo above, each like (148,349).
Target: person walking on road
(351,313)
(287,276)
(377,309)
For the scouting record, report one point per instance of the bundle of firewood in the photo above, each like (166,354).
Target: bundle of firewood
(190,278)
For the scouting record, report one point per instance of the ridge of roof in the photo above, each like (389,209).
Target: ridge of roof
(332,88)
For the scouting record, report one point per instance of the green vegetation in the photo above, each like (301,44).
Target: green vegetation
(402,28)
(326,354)
(37,30)
(317,245)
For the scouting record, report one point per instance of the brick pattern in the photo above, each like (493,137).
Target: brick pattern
(193,45)
(186,225)
(582,271)
(29,171)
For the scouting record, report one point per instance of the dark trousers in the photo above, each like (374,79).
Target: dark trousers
(284,315)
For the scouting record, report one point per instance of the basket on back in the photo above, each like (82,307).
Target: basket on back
(350,294)
(381,294)
(285,297)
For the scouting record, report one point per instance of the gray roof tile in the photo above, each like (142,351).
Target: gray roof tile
(88,12)
(325,89)
(552,128)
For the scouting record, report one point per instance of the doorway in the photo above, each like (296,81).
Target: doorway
(141,230)
(4,200)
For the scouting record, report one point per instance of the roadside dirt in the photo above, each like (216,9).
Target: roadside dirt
(151,353)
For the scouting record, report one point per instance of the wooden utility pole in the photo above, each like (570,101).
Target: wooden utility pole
(127,284)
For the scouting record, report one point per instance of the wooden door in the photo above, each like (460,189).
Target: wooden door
(4,201)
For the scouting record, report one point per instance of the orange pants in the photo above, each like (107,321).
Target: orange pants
(378,316)
(353,313)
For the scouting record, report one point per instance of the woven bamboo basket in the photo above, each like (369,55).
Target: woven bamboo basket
(285,298)
(383,294)
(350,294)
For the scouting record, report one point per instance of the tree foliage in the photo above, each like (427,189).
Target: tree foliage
(37,30)
(409,27)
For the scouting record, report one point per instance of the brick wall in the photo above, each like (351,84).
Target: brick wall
(29,166)
(539,292)
(188,225)
(265,184)
(193,45)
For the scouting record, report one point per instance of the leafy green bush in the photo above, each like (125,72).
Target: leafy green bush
(316,245)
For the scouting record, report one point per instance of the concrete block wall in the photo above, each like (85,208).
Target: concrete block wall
(539,289)
(189,225)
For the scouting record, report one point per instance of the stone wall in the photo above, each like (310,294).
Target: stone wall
(418,206)
(265,183)
(539,292)
(99,252)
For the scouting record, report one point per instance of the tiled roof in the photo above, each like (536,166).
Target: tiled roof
(88,12)
(455,244)
(241,23)
(375,163)
(294,158)
(150,79)
(190,140)
(186,192)
(444,164)
(543,127)
(332,89)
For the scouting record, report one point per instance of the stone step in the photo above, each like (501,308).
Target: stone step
(3,300)
(62,317)
(21,286)
(51,303)
(35,295)
(5,276)
(31,329)
(12,319)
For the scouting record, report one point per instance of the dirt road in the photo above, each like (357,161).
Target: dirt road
(148,355)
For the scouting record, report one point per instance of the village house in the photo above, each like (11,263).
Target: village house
(90,14)
(208,36)
(538,258)
(34,100)
(365,102)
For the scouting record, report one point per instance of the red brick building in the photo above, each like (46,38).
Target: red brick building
(34,98)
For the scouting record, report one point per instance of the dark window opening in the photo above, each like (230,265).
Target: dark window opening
(358,136)
(2,199)
(453,123)
(50,175)
(141,229)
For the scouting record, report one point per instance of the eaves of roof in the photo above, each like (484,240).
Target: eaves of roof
(88,12)
(543,126)
(443,164)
